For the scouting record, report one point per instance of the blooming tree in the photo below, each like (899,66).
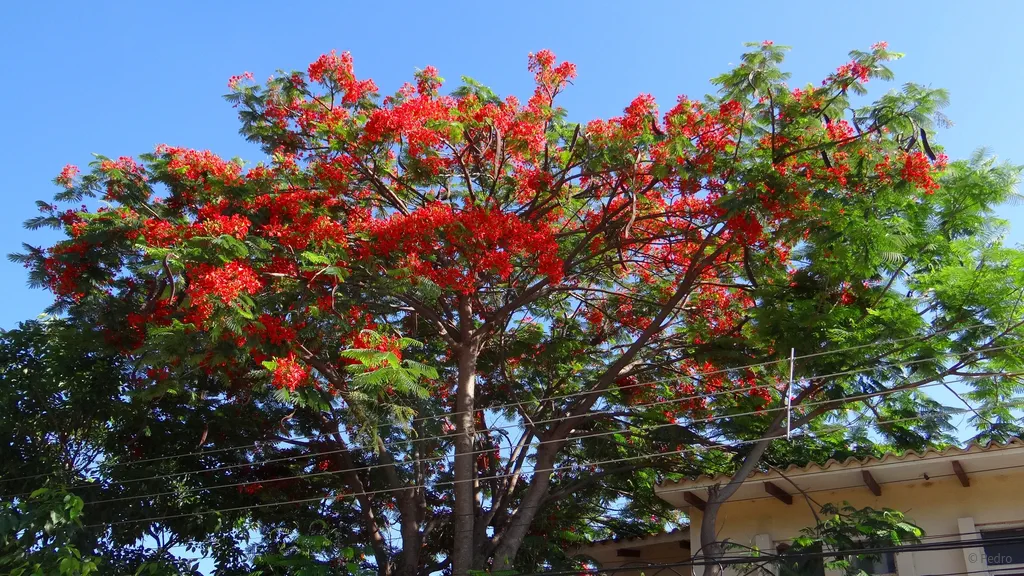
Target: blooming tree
(562,308)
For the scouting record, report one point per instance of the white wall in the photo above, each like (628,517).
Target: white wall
(941,507)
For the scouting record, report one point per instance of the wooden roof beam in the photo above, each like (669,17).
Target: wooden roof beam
(627,553)
(694,500)
(779,493)
(961,474)
(870,482)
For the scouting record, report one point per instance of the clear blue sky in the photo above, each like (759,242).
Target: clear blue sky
(119,77)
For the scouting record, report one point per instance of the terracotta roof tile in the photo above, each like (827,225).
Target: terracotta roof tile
(851,462)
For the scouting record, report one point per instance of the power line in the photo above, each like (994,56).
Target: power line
(623,387)
(990,569)
(370,467)
(764,558)
(912,547)
(848,399)
(553,470)
(544,421)
(399,442)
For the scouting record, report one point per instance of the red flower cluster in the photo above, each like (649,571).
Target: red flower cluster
(427,81)
(64,268)
(159,233)
(711,132)
(136,323)
(289,373)
(235,80)
(120,174)
(125,164)
(854,70)
(839,130)
(292,219)
(385,343)
(274,330)
(67,175)
(746,229)
(339,70)
(456,248)
(719,309)
(199,165)
(225,283)
(550,77)
(918,171)
(282,265)
(235,225)
(411,120)
(625,315)
(639,114)
(250,489)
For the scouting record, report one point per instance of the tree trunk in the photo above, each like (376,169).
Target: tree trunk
(465,434)
(710,548)
(412,543)
(512,539)
(366,512)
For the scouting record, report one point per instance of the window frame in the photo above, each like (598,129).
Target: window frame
(888,558)
(1001,569)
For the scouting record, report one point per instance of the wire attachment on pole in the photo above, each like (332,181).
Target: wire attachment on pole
(789,395)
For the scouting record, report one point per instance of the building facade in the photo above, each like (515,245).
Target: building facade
(969,495)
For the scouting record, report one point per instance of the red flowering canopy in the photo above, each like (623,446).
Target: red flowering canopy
(397,259)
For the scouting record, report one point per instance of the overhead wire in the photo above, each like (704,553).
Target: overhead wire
(770,557)
(552,470)
(542,421)
(535,445)
(248,464)
(622,387)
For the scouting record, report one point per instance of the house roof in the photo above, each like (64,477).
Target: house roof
(673,535)
(605,550)
(871,473)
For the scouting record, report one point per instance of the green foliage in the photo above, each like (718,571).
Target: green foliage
(41,535)
(843,537)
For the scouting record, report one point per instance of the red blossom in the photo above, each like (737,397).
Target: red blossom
(250,489)
(851,71)
(160,233)
(427,81)
(224,283)
(339,70)
(235,225)
(200,166)
(455,249)
(235,80)
(289,374)
(917,171)
(839,130)
(65,269)
(125,164)
(274,330)
(67,175)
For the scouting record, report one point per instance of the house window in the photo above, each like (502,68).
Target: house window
(799,566)
(876,564)
(879,564)
(1003,547)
